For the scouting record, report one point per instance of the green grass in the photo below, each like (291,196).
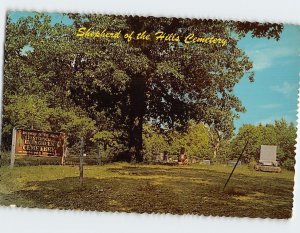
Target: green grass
(193,189)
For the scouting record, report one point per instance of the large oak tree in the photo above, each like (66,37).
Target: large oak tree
(121,85)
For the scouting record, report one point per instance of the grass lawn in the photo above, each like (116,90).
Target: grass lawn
(193,189)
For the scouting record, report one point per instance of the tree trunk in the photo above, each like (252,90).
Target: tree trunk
(136,117)
(215,138)
(216,149)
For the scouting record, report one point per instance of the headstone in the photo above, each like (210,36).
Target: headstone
(233,162)
(159,157)
(205,162)
(268,155)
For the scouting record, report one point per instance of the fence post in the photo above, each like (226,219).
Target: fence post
(99,156)
(65,149)
(81,162)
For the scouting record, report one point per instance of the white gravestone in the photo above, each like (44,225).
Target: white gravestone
(268,155)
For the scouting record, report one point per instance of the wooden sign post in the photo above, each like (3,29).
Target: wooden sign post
(13,149)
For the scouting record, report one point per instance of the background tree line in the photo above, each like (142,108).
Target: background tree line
(125,97)
(199,144)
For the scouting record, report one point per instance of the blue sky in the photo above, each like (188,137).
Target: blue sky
(274,93)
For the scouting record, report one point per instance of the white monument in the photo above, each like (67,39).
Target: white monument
(267,160)
(268,155)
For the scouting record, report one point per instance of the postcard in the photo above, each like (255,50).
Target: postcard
(115,113)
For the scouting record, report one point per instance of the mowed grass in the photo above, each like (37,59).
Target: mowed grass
(193,189)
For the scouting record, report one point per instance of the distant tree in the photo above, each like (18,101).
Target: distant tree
(280,133)
(32,112)
(155,142)
(286,141)
(36,94)
(251,134)
(221,127)
(196,141)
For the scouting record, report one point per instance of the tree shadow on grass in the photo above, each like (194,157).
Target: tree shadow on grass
(164,191)
(270,184)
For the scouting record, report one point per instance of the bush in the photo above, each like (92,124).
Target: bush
(289,164)
(252,164)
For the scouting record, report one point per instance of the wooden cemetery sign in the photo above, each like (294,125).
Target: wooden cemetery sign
(27,142)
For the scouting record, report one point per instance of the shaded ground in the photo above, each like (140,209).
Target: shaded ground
(193,189)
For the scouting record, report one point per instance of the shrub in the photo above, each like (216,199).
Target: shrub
(289,164)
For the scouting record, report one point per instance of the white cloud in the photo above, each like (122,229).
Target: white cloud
(286,88)
(265,57)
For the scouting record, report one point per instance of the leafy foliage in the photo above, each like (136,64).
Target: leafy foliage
(106,90)
(280,133)
(196,141)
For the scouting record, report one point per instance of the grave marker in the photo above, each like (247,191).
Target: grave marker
(268,155)
(267,160)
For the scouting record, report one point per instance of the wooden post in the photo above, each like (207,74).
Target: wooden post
(13,148)
(62,162)
(81,163)
(65,150)
(235,165)
(99,156)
